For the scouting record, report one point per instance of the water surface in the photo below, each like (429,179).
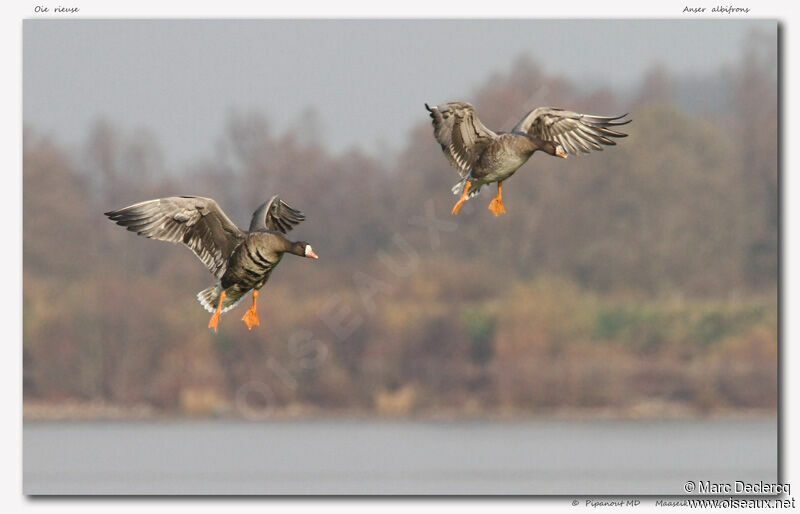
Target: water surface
(380,457)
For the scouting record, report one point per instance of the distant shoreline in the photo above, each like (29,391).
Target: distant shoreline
(75,411)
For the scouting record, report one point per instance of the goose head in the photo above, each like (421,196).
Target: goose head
(554,149)
(303,249)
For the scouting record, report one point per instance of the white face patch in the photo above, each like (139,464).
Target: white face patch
(308,249)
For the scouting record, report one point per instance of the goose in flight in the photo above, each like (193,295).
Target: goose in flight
(482,156)
(242,261)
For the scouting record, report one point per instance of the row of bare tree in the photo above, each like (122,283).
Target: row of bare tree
(638,279)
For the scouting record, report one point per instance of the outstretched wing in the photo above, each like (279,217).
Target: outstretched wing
(462,135)
(196,222)
(574,131)
(275,215)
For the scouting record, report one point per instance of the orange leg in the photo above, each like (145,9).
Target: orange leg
(250,317)
(496,206)
(460,202)
(214,321)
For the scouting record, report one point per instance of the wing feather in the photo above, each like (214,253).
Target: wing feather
(574,131)
(275,215)
(460,133)
(193,221)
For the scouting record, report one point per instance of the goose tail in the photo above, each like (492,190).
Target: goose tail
(209,298)
(474,190)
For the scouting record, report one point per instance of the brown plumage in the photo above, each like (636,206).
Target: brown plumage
(482,156)
(242,261)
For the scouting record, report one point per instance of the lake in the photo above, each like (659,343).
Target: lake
(394,457)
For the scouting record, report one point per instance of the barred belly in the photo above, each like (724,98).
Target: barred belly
(250,265)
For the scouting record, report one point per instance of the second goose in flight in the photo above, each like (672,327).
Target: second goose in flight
(483,157)
(242,261)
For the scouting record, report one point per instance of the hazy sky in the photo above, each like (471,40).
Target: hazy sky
(366,79)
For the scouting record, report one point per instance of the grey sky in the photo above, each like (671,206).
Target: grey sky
(366,79)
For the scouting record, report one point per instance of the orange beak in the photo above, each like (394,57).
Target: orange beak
(310,254)
(561,153)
